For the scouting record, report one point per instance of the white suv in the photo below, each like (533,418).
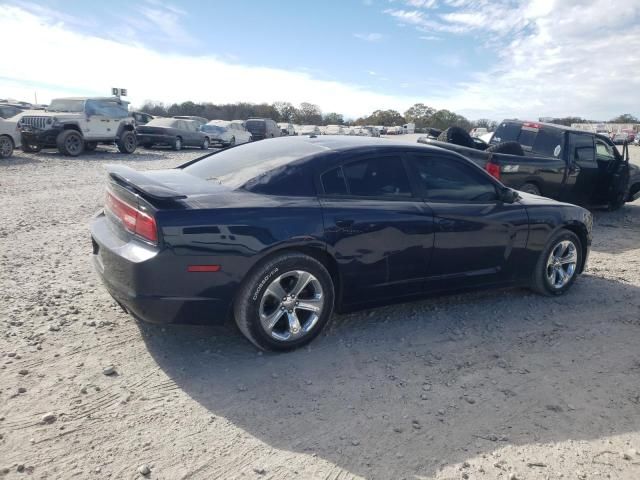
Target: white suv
(73,125)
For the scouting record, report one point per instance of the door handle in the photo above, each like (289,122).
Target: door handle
(344,222)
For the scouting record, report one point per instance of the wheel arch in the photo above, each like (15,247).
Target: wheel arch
(537,181)
(581,231)
(317,253)
(125,127)
(72,126)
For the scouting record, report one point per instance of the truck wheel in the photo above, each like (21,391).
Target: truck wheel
(508,148)
(90,146)
(457,136)
(6,146)
(127,142)
(530,188)
(177,144)
(70,143)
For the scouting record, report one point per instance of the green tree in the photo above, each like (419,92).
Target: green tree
(333,119)
(625,118)
(309,114)
(420,114)
(286,111)
(443,119)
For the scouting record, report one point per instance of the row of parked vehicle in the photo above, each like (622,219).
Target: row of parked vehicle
(76,125)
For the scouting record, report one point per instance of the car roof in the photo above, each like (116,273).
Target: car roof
(338,143)
(90,98)
(548,125)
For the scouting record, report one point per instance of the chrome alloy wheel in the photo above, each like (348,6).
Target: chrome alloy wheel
(291,305)
(562,263)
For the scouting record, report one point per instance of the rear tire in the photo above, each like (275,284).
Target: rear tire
(530,188)
(205,144)
(6,146)
(177,144)
(70,143)
(457,136)
(127,143)
(508,148)
(265,298)
(541,281)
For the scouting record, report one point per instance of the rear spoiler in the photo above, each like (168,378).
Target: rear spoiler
(142,184)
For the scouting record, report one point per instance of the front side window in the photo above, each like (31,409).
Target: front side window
(106,108)
(376,177)
(445,180)
(604,151)
(583,148)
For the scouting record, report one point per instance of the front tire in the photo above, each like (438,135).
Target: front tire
(285,302)
(70,143)
(6,146)
(127,143)
(558,265)
(205,144)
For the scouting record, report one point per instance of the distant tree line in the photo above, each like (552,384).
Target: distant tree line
(306,113)
(309,114)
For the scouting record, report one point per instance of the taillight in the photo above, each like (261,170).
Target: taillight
(133,219)
(493,169)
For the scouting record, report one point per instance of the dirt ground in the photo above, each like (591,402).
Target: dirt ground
(492,385)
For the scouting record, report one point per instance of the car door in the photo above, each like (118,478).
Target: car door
(378,231)
(583,175)
(478,238)
(99,124)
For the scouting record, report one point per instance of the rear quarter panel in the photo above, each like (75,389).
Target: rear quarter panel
(238,237)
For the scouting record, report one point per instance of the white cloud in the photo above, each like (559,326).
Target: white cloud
(369,37)
(154,75)
(554,57)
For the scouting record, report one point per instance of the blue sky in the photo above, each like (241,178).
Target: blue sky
(481,58)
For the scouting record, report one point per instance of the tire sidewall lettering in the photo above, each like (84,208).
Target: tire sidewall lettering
(263,282)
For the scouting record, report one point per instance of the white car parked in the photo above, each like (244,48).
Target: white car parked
(309,130)
(226,134)
(286,129)
(9,136)
(334,130)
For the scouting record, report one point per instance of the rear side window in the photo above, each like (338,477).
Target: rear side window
(539,140)
(333,182)
(374,177)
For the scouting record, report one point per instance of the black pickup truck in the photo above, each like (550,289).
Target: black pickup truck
(552,160)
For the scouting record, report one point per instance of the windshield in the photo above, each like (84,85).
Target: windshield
(66,105)
(236,166)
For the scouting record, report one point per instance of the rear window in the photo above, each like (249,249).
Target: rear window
(541,141)
(253,165)
(257,125)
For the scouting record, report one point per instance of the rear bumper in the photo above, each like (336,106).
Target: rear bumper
(153,285)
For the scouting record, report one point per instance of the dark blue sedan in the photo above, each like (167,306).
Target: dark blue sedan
(278,234)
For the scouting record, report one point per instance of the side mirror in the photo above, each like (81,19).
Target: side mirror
(508,195)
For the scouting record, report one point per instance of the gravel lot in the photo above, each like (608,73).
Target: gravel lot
(502,384)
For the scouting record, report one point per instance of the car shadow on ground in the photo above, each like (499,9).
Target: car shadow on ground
(411,388)
(617,232)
